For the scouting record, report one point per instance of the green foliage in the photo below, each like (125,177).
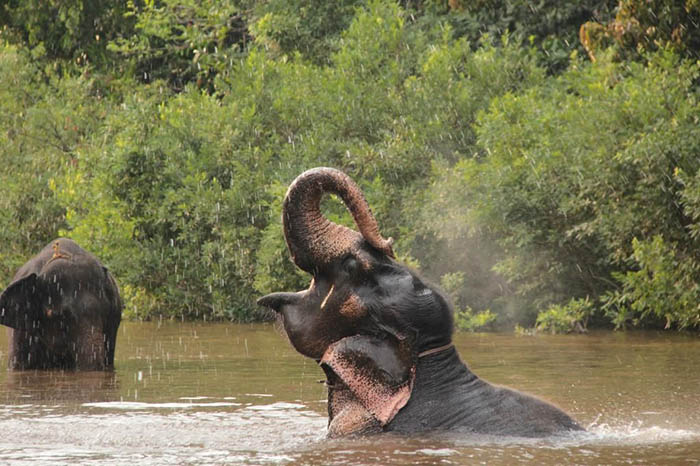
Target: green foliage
(308,27)
(465,317)
(571,317)
(519,175)
(691,200)
(641,26)
(573,170)
(551,25)
(65,29)
(467,320)
(181,41)
(182,201)
(666,286)
(45,120)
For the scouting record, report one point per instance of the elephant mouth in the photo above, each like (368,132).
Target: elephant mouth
(276,301)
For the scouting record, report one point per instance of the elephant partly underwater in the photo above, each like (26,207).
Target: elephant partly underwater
(382,335)
(63,311)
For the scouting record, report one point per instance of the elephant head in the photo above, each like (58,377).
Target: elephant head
(365,318)
(63,310)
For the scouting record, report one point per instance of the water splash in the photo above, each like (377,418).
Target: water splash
(635,433)
(137,405)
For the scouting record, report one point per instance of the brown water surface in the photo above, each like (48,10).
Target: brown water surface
(192,393)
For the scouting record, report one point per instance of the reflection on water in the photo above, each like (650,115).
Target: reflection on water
(238,394)
(59,386)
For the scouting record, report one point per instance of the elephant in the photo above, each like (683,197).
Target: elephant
(382,334)
(63,311)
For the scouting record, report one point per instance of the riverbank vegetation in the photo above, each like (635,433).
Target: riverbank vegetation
(539,160)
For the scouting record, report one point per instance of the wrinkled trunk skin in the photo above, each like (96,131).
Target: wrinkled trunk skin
(313,240)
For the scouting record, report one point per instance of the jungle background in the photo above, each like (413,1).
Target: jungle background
(540,160)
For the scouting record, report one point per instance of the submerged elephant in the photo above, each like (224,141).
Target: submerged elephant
(63,309)
(381,334)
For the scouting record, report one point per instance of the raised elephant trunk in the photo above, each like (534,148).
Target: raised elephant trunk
(313,240)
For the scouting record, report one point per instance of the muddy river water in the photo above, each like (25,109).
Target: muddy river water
(192,393)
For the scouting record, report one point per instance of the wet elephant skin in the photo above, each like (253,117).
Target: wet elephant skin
(382,334)
(63,311)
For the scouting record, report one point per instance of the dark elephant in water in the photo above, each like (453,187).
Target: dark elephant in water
(63,309)
(382,335)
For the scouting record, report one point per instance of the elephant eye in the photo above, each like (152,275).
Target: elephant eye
(420,289)
(350,265)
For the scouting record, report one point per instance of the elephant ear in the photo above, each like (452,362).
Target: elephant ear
(370,380)
(20,303)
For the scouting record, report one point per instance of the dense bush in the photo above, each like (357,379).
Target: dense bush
(181,41)
(552,25)
(524,178)
(571,317)
(65,30)
(571,175)
(44,120)
(640,26)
